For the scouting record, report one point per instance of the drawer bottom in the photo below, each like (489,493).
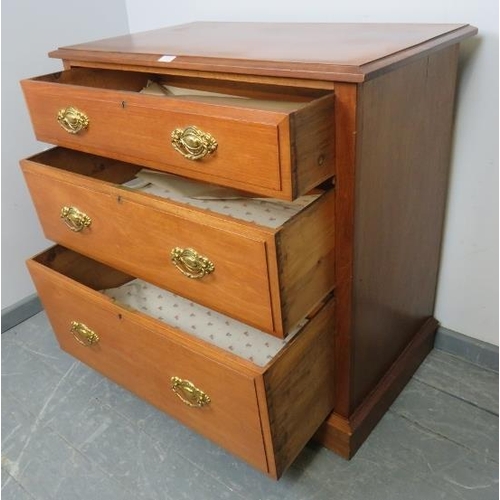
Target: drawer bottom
(215,328)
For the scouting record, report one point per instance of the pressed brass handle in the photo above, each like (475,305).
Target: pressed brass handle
(83,334)
(188,393)
(191,263)
(75,219)
(193,143)
(72,120)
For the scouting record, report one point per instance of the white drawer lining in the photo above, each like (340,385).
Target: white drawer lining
(215,328)
(268,212)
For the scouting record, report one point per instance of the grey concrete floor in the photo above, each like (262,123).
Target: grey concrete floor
(68,434)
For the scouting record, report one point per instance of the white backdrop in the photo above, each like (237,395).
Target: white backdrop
(467,299)
(30,30)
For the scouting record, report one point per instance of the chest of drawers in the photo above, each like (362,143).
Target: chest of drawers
(248,219)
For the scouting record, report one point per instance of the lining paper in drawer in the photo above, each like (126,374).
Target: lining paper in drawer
(215,328)
(207,97)
(267,212)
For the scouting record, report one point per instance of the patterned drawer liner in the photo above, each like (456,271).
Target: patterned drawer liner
(267,212)
(210,326)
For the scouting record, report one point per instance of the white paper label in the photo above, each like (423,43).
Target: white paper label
(166,58)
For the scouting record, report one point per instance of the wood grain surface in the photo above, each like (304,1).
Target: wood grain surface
(299,388)
(325,51)
(306,255)
(401,183)
(390,209)
(258,150)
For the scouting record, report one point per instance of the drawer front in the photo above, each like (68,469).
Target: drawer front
(139,239)
(263,415)
(253,146)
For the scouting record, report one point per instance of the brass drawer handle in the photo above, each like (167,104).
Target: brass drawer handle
(190,263)
(75,219)
(193,143)
(83,334)
(188,393)
(72,120)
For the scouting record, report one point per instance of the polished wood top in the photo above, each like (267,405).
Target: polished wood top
(345,52)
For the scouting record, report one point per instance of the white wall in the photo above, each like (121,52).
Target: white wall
(30,29)
(467,300)
(468,286)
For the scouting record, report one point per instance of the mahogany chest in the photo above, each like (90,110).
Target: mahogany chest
(248,220)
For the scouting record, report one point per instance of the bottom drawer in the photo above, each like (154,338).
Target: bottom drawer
(263,414)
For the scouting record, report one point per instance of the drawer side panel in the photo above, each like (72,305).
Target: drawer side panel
(314,143)
(299,389)
(306,252)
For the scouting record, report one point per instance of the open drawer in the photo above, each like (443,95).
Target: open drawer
(264,413)
(268,277)
(251,138)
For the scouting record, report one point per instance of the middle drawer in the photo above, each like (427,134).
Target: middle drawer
(269,278)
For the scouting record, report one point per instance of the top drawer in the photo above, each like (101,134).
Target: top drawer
(274,142)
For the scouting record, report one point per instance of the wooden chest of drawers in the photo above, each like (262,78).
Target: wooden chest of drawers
(248,220)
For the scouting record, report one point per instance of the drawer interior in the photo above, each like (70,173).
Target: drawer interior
(203,323)
(84,270)
(189,88)
(94,166)
(268,212)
